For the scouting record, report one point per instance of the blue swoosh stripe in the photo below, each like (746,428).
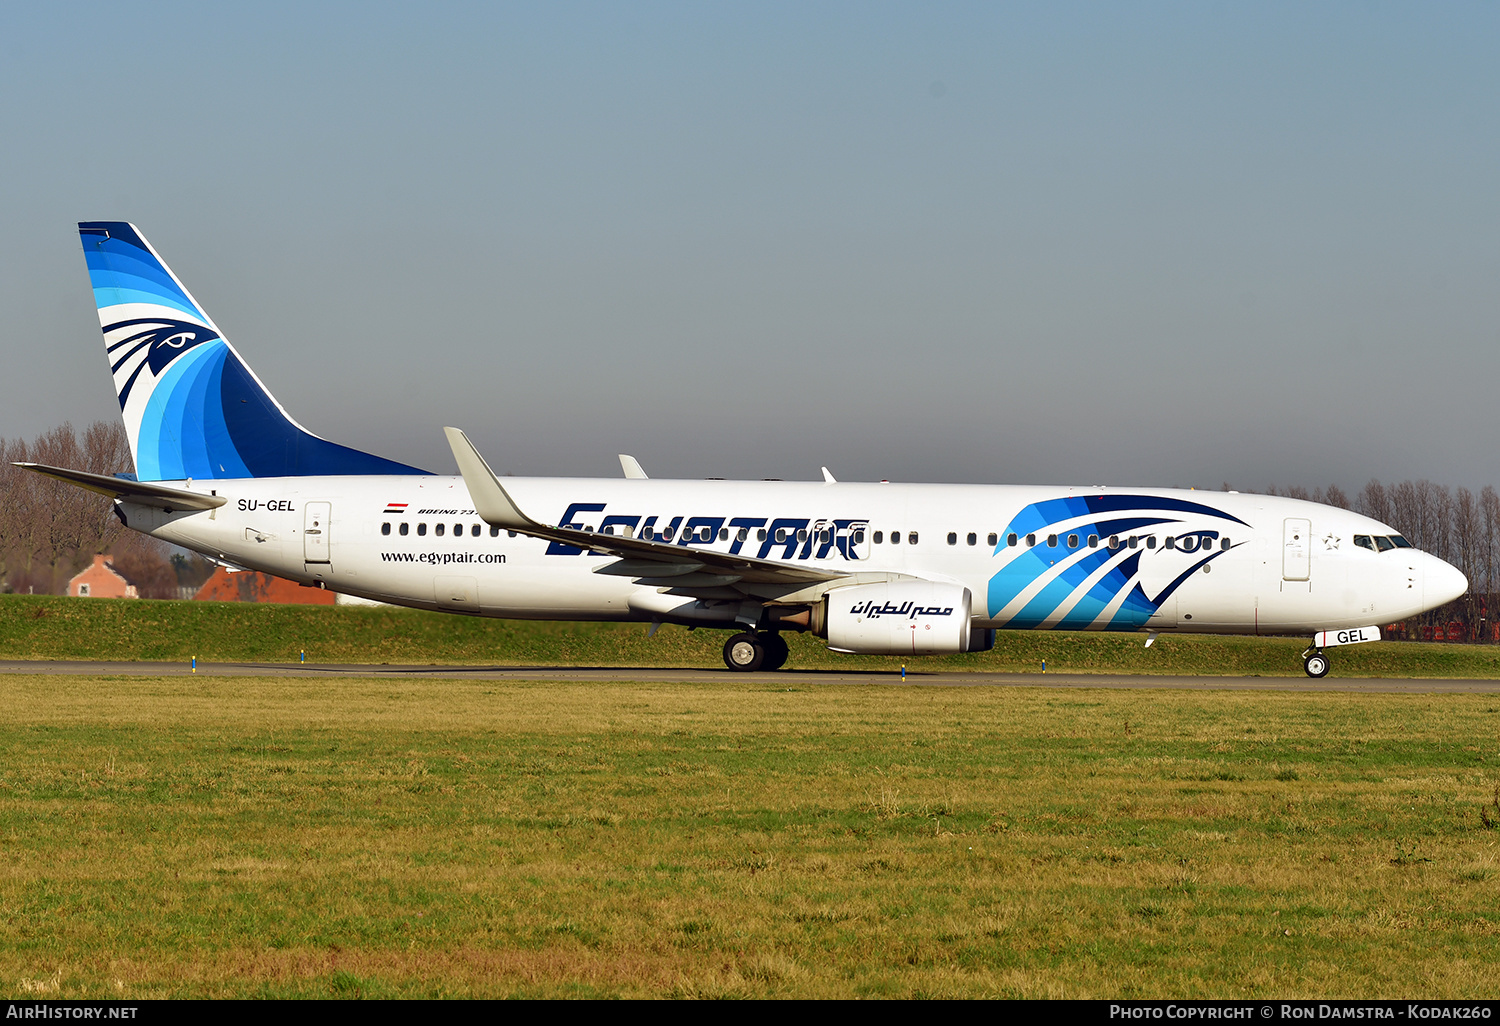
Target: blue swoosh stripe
(1046,601)
(1100,595)
(1040,514)
(104,298)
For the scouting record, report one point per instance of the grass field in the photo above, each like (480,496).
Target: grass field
(284,837)
(46,627)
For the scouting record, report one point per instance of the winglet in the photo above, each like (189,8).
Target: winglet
(491,502)
(632,468)
(828,478)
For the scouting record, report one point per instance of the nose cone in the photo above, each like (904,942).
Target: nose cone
(1441,582)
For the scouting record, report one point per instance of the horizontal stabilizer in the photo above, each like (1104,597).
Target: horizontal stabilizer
(140,492)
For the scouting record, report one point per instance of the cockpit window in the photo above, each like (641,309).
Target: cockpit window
(1364,542)
(1400,542)
(1383,543)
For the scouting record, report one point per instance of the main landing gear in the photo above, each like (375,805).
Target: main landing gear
(766,650)
(1315,663)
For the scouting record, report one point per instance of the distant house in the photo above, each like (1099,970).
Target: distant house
(249,586)
(102,580)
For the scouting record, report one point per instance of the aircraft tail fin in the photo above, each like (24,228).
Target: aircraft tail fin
(192,407)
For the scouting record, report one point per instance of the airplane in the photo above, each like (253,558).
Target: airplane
(223,469)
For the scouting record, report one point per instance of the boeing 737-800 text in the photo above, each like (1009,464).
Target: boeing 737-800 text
(909,569)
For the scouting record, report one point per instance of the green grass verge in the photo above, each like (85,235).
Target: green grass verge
(46,627)
(292,837)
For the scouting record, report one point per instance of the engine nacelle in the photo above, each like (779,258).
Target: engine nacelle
(898,618)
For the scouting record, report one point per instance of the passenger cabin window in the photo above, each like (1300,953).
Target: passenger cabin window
(422,529)
(510,534)
(1224,544)
(1363,541)
(438,530)
(1072,541)
(973,538)
(1170,542)
(760,535)
(1150,541)
(1051,541)
(403,530)
(1093,541)
(895,537)
(385,528)
(494,531)
(1011,540)
(995,539)
(724,534)
(1383,543)
(744,534)
(878,537)
(458,530)
(1132,542)
(953,538)
(1114,541)
(1030,540)
(911,537)
(859,536)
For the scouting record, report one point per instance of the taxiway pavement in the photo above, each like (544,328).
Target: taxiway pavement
(786,678)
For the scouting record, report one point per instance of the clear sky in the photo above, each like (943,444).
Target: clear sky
(1172,244)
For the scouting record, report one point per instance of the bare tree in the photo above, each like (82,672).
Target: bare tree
(49,530)
(1373,502)
(1404,514)
(1442,521)
(1465,547)
(1489,506)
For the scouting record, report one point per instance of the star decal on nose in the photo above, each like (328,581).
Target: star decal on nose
(1330,542)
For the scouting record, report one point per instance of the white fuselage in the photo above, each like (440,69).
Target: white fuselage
(1209,562)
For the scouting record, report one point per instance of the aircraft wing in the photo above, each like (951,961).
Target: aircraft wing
(141,492)
(656,562)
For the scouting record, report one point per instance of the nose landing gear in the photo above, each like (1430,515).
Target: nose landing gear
(1315,663)
(1313,659)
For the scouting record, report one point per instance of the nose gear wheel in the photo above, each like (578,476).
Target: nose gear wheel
(1315,664)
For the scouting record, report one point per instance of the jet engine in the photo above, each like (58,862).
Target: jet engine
(901,618)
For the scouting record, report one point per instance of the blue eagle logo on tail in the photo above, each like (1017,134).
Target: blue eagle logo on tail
(163,341)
